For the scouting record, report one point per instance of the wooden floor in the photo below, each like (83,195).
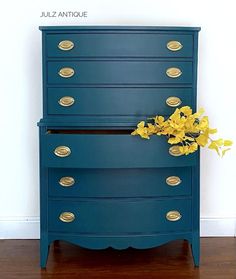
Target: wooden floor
(20,259)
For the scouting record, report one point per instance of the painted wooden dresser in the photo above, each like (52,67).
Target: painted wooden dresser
(99,186)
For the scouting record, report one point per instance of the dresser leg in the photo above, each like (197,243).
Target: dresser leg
(196,251)
(44,249)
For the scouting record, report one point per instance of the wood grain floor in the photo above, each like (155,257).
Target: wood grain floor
(20,259)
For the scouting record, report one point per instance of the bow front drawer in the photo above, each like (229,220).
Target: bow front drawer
(117,101)
(119,45)
(119,182)
(110,151)
(116,216)
(119,72)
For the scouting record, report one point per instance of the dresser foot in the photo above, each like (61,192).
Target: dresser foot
(195,246)
(44,250)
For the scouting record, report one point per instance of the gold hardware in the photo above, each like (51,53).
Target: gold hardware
(66,45)
(173,101)
(173,216)
(173,72)
(62,151)
(174,45)
(67,181)
(67,217)
(66,101)
(174,151)
(66,72)
(173,180)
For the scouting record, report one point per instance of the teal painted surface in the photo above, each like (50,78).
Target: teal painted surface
(120,198)
(101,28)
(118,72)
(101,183)
(111,151)
(112,216)
(119,45)
(124,241)
(116,101)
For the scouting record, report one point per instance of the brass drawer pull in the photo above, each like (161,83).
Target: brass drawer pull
(66,72)
(174,45)
(62,151)
(174,151)
(173,216)
(67,217)
(173,180)
(66,101)
(173,72)
(67,181)
(66,45)
(173,101)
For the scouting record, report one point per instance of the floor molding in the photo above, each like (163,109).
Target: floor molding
(28,227)
(19,228)
(218,226)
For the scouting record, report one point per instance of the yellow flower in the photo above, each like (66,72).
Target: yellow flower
(152,129)
(141,130)
(203,124)
(202,140)
(159,120)
(174,140)
(186,110)
(193,147)
(228,142)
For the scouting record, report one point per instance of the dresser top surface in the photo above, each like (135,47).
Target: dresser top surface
(121,28)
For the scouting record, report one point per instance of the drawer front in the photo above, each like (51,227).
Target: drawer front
(116,101)
(119,45)
(110,151)
(118,72)
(119,216)
(120,182)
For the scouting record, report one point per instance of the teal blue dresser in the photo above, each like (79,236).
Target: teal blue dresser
(99,186)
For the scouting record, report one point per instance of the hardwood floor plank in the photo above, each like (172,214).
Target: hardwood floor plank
(20,259)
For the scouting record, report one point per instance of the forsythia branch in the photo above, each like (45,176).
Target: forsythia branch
(184,128)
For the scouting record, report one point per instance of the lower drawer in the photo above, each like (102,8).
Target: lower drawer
(114,216)
(119,182)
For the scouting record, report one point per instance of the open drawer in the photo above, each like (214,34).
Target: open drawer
(77,150)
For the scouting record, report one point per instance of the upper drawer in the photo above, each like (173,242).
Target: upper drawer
(109,151)
(116,101)
(119,45)
(119,72)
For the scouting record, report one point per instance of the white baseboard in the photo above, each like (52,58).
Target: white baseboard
(28,227)
(218,227)
(19,228)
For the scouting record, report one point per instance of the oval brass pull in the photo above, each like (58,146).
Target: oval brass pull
(174,151)
(66,72)
(173,101)
(66,45)
(66,101)
(173,72)
(173,216)
(173,180)
(174,45)
(62,151)
(67,217)
(67,181)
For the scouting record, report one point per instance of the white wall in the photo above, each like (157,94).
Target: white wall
(20,72)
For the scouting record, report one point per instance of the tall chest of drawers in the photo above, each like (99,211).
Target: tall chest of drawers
(99,186)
